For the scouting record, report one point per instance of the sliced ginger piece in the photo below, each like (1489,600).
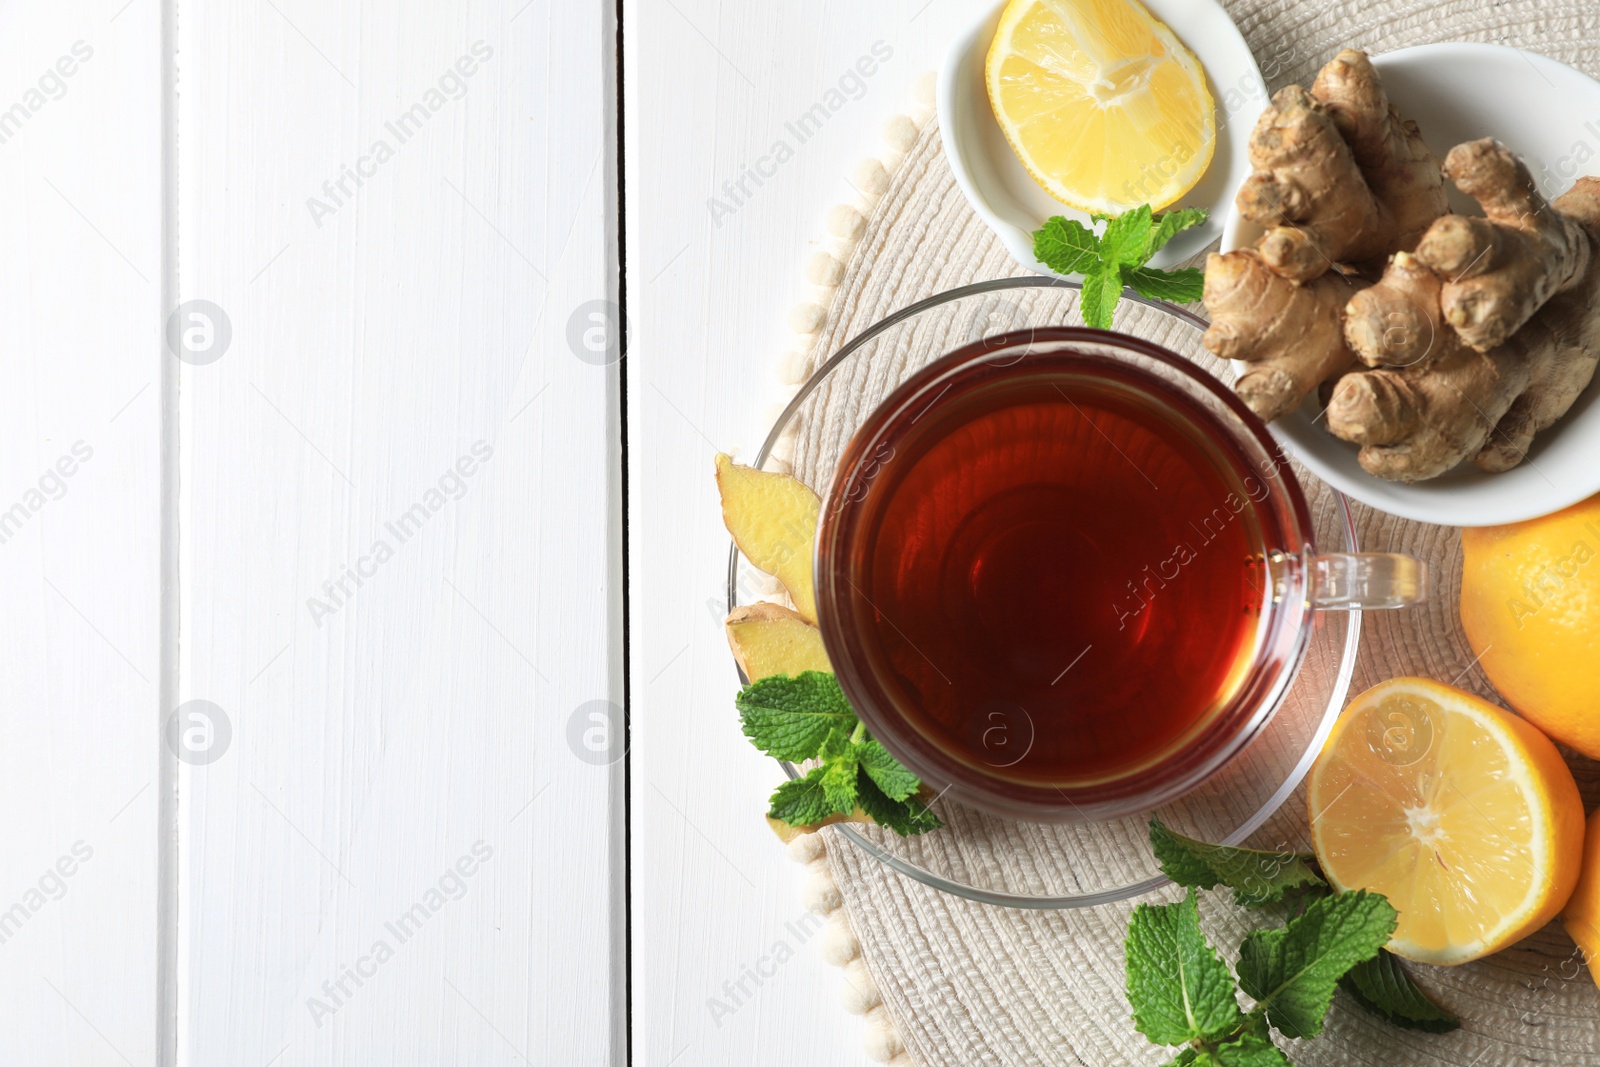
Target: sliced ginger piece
(788,831)
(773,520)
(770,639)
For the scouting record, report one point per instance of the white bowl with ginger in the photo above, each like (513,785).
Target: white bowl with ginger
(1461,383)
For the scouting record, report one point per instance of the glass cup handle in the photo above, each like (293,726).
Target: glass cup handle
(1367,580)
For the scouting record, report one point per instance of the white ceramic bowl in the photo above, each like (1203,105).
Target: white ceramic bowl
(1006,197)
(1549,114)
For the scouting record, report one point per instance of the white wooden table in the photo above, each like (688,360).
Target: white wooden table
(335,534)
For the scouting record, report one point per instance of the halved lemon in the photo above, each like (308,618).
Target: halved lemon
(1105,106)
(1462,814)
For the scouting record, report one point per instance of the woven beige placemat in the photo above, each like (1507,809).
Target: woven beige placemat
(965,984)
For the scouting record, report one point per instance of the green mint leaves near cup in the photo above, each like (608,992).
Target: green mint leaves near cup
(1255,877)
(806,717)
(1115,258)
(1182,992)
(1293,971)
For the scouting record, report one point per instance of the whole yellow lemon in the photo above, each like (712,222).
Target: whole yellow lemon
(1530,603)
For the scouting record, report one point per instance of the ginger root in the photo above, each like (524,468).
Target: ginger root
(1398,322)
(1401,170)
(1418,421)
(1432,400)
(1307,190)
(1340,178)
(1566,334)
(1436,398)
(1480,332)
(770,639)
(773,520)
(1290,334)
(1500,269)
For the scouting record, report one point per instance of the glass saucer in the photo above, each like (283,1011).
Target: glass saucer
(1011,862)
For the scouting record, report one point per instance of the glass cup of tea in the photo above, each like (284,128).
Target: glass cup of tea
(1064,574)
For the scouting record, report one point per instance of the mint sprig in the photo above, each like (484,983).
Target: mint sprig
(1115,258)
(1182,992)
(806,717)
(1291,973)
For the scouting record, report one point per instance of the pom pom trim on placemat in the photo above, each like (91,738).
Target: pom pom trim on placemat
(846,222)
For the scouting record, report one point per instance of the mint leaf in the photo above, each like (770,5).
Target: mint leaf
(1178,986)
(801,801)
(1384,988)
(839,765)
(1126,240)
(1116,258)
(907,817)
(1256,877)
(1172,223)
(1066,246)
(1292,972)
(808,718)
(1102,287)
(886,773)
(789,718)
(1250,1049)
(1191,1058)
(1176,286)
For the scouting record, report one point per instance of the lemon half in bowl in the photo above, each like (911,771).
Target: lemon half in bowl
(1102,103)
(1013,204)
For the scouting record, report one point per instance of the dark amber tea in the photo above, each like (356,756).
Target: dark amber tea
(1062,569)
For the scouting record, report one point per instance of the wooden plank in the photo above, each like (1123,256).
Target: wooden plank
(398,558)
(80,529)
(712,271)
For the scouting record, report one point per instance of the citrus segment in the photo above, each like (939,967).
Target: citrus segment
(1103,104)
(1462,814)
